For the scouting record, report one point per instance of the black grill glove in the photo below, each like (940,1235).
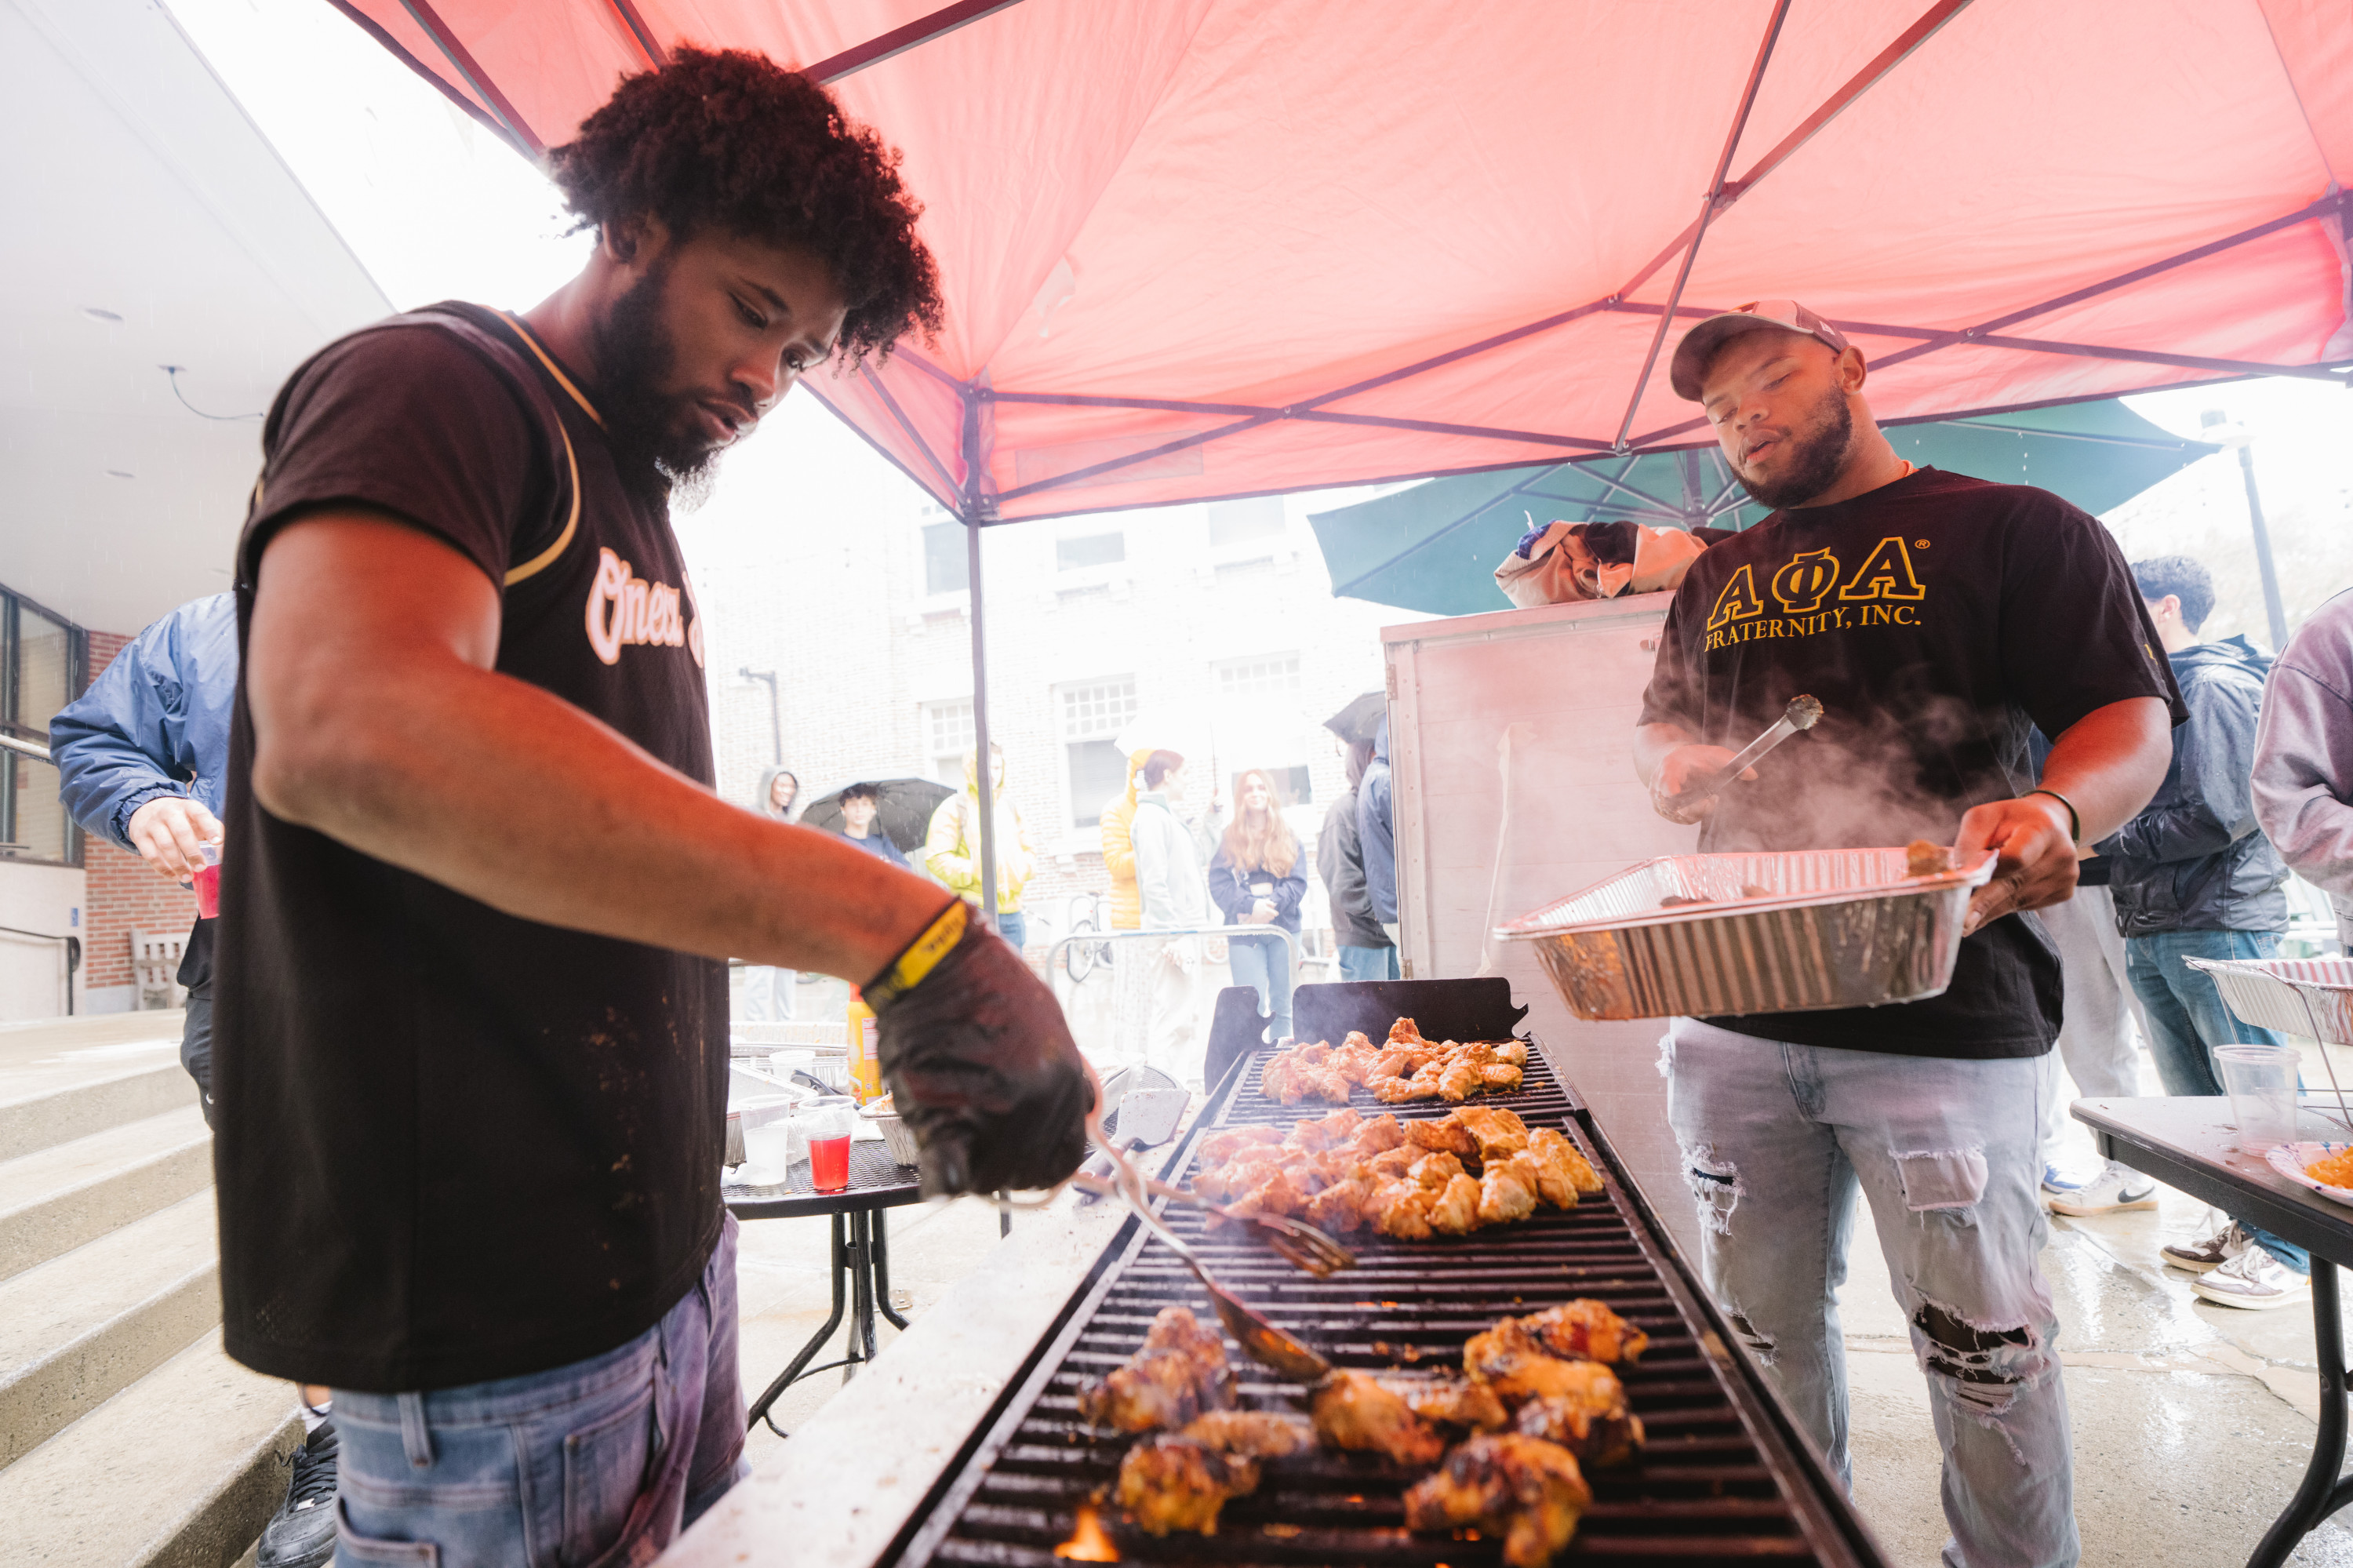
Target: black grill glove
(980,1062)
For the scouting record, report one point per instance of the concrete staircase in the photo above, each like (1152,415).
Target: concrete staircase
(126,1435)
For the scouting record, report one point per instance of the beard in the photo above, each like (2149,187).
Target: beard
(1817,451)
(651,429)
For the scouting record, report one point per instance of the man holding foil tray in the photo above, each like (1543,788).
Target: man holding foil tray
(1937,617)
(471,1060)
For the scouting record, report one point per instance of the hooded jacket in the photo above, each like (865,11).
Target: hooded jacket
(1119,849)
(2195,860)
(2304,751)
(155,723)
(952,847)
(1340,861)
(1168,871)
(761,801)
(1377,832)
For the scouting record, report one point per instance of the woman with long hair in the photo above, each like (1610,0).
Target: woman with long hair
(1257,880)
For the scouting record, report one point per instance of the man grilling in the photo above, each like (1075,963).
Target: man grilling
(1937,618)
(470,1055)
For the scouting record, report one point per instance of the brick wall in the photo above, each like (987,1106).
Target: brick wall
(124,895)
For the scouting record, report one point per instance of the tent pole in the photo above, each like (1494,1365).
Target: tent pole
(986,775)
(2272,612)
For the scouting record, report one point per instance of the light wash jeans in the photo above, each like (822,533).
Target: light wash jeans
(1263,962)
(1368,963)
(1776,1141)
(600,1462)
(2186,1019)
(2095,1028)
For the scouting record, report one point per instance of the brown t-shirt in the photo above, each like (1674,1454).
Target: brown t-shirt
(1939,618)
(454,1145)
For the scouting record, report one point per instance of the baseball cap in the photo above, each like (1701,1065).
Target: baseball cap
(1699,345)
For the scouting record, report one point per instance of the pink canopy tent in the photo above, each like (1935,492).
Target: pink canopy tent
(1198,249)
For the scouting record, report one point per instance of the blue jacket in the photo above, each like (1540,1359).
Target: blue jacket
(1232,890)
(156,722)
(878,844)
(1377,830)
(2194,859)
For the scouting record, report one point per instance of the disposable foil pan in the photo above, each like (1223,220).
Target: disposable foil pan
(2295,996)
(1836,928)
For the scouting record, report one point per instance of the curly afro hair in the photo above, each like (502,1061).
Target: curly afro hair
(730,141)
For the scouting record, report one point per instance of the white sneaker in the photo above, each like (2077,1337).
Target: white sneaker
(2213,1251)
(2112,1192)
(2254,1279)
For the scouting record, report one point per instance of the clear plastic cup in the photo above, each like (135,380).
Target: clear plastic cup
(2261,1083)
(207,882)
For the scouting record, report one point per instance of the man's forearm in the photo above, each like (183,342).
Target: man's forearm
(2109,763)
(1651,743)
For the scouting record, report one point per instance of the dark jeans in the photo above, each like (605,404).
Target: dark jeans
(196,1044)
(2186,1019)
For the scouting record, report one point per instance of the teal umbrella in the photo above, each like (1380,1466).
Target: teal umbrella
(1435,547)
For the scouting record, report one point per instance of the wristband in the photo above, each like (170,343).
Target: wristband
(918,958)
(2074,822)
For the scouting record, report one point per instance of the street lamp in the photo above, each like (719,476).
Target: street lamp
(777,712)
(2217,428)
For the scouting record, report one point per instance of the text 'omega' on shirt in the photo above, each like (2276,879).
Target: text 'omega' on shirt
(625,609)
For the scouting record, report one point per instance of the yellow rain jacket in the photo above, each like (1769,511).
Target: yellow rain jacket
(952,846)
(1119,850)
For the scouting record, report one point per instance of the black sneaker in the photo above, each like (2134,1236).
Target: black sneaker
(301,1533)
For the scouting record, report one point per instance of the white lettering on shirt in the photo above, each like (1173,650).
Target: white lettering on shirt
(625,609)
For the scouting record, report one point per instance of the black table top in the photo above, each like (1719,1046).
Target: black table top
(2192,1144)
(876,1181)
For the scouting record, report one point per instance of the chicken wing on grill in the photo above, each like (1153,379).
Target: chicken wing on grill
(1458,1081)
(1253,1434)
(1500,1077)
(1169,1482)
(1339,1208)
(1382,1132)
(1401,1209)
(1507,1191)
(1353,1061)
(1399,1091)
(1454,1210)
(1391,1164)
(1326,1132)
(1405,1032)
(1180,1372)
(1497,1133)
(1524,1488)
(1446,1134)
(1352,1411)
(1221,1147)
(1312,1056)
(1513,1361)
(1591,1421)
(1587,1330)
(1456,1402)
(1562,1174)
(1435,1171)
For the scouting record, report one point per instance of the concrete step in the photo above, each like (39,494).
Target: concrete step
(179,1470)
(53,1201)
(66,1078)
(81,1328)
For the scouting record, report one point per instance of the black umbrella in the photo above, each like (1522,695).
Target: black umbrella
(1356,723)
(903,810)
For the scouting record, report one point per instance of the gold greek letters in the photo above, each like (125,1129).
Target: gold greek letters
(1885,573)
(1738,602)
(1806,581)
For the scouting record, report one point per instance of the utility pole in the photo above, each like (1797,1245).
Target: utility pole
(776,709)
(2218,429)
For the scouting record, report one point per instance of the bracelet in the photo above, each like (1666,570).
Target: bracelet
(2074,820)
(919,957)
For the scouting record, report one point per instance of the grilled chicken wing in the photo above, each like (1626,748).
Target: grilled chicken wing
(1278,1079)
(1513,1361)
(1326,1132)
(1500,1077)
(1339,1208)
(1496,1132)
(1435,1171)
(1456,1402)
(1391,1164)
(1400,1209)
(1353,1061)
(1454,1210)
(1587,1330)
(1507,1191)
(1253,1434)
(1590,1420)
(1180,1372)
(1352,1411)
(1562,1174)
(1221,1147)
(1355,1039)
(1179,1483)
(1399,1091)
(1524,1488)
(1405,1032)
(1382,1132)
(1446,1134)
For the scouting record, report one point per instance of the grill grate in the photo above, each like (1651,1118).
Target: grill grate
(1718,1482)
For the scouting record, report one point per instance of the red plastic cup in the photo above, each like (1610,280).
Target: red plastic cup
(207,884)
(829,1163)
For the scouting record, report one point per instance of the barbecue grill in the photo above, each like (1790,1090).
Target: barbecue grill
(1723,1479)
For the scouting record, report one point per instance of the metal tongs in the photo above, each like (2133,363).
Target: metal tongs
(1299,1245)
(1264,1343)
(1800,714)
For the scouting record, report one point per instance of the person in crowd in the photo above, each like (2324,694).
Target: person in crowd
(1175,898)
(1376,835)
(770,995)
(1125,910)
(1255,879)
(2096,1023)
(470,1049)
(951,848)
(142,758)
(2195,878)
(2302,782)
(859,803)
(1366,951)
(1935,617)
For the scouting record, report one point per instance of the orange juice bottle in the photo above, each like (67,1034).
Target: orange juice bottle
(865,1058)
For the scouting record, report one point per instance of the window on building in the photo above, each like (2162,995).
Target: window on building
(948,733)
(42,664)
(1231,521)
(946,567)
(1275,675)
(1090,550)
(1094,773)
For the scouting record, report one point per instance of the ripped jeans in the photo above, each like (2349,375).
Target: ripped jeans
(1776,1139)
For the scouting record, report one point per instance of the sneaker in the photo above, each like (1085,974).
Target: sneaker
(2216,1250)
(2254,1279)
(2112,1192)
(2056,1181)
(301,1533)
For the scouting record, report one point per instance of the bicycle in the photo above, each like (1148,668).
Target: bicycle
(1081,959)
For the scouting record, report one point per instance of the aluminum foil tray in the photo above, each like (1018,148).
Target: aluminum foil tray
(2312,997)
(1835,929)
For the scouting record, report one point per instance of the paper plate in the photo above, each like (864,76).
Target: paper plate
(2290,1158)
